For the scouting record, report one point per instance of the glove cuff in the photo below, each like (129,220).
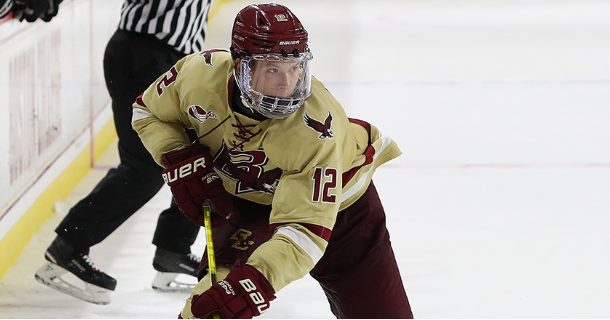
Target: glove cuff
(176,156)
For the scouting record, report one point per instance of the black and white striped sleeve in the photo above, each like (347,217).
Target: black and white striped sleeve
(180,23)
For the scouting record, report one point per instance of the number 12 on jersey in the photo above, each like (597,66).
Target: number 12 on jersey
(324,179)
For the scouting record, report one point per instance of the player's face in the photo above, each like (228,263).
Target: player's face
(275,78)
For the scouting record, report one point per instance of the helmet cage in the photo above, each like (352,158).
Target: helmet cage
(274,107)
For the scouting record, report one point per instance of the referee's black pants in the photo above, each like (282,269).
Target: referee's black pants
(131,63)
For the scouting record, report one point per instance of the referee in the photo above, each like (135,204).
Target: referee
(152,36)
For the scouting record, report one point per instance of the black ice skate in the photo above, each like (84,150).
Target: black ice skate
(62,259)
(169,266)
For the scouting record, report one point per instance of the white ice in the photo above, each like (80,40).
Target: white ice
(499,206)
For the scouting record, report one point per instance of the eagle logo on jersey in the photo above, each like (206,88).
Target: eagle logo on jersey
(322,128)
(207,55)
(200,114)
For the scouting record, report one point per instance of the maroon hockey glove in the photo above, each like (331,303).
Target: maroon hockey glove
(243,294)
(194,183)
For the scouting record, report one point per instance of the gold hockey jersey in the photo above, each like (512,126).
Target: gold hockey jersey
(308,166)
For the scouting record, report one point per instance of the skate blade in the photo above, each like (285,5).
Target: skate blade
(172,282)
(50,275)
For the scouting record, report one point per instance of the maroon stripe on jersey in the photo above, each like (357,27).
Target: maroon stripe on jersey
(369,153)
(365,125)
(319,231)
(140,101)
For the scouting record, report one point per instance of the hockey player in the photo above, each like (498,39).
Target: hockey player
(285,171)
(152,35)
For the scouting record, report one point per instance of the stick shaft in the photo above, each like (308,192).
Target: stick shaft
(207,221)
(207,216)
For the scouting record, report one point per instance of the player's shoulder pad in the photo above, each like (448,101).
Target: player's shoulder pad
(213,58)
(206,69)
(319,121)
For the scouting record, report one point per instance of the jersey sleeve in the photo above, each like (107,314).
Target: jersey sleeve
(157,115)
(302,229)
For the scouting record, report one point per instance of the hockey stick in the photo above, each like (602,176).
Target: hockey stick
(207,221)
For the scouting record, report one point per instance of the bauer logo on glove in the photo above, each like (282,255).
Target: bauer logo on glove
(184,170)
(243,294)
(191,177)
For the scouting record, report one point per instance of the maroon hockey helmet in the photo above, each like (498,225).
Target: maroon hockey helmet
(267,28)
(272,59)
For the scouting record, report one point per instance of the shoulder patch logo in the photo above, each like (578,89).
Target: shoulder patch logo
(322,128)
(208,58)
(207,55)
(200,114)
